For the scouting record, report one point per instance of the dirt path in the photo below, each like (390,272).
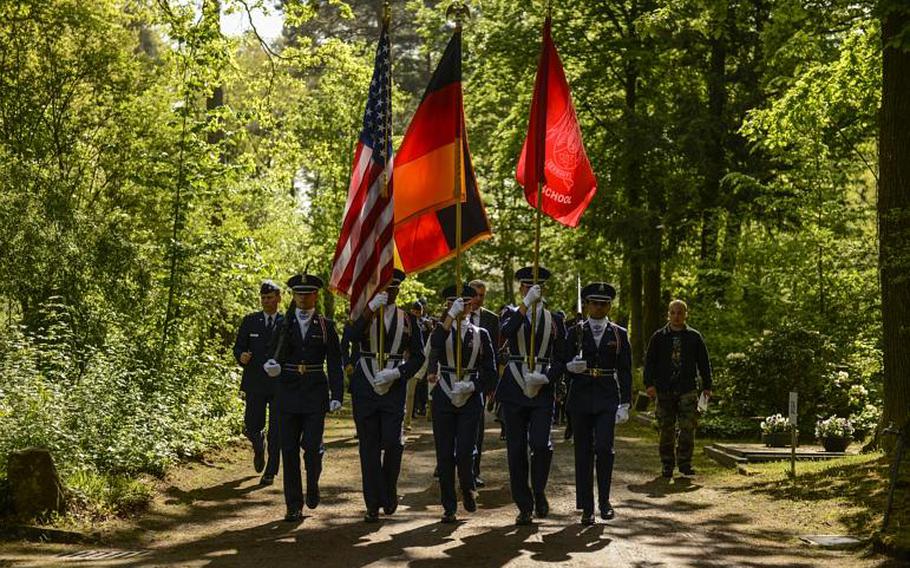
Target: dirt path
(216,515)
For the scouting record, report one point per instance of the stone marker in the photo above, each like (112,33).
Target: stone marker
(832,541)
(35,487)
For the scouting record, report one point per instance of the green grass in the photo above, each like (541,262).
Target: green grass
(848,492)
(94,496)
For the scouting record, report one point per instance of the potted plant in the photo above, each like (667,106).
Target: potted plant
(834,433)
(775,431)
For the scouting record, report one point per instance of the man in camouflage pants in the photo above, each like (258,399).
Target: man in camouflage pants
(676,358)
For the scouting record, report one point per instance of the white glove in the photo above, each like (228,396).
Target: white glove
(622,414)
(534,382)
(334,405)
(536,379)
(577,365)
(272,368)
(463,387)
(383,380)
(532,296)
(388,376)
(380,299)
(457,308)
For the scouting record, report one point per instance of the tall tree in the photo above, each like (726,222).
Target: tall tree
(894,245)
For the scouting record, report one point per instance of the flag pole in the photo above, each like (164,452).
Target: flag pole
(458,10)
(386,19)
(541,168)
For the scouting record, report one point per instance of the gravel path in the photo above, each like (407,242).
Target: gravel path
(215,514)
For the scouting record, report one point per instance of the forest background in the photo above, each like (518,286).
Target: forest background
(154,170)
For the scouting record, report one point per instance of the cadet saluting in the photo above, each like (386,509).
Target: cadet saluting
(251,350)
(458,400)
(307,343)
(600,392)
(378,395)
(526,394)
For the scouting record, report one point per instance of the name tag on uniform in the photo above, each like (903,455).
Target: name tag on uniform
(254,335)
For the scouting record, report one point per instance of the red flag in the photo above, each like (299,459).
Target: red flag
(554,152)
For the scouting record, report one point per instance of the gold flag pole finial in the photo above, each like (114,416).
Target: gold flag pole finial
(458,11)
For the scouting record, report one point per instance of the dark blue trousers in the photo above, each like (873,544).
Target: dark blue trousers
(478,450)
(528,428)
(455,434)
(379,431)
(301,431)
(254,422)
(593,446)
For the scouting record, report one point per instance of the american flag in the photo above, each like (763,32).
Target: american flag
(364,257)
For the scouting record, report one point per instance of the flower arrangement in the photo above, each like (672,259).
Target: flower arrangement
(775,423)
(833,427)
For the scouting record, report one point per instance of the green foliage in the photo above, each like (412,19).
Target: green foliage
(756,382)
(94,496)
(715,424)
(113,409)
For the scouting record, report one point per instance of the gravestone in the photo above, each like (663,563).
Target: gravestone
(34,485)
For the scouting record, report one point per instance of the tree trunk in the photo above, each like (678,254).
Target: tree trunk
(634,183)
(894,260)
(636,319)
(714,164)
(654,309)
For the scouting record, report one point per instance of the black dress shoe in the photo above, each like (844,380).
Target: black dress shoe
(479,482)
(293,515)
(469,501)
(524,518)
(568,433)
(372,516)
(587,519)
(449,518)
(312,498)
(267,479)
(391,507)
(667,472)
(259,459)
(686,470)
(606,512)
(541,506)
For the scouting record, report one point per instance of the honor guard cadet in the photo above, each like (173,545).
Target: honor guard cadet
(251,351)
(526,393)
(483,318)
(599,375)
(457,399)
(378,394)
(307,366)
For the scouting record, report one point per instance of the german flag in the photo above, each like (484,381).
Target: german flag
(423,180)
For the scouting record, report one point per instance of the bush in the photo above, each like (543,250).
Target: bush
(113,409)
(829,377)
(758,382)
(715,424)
